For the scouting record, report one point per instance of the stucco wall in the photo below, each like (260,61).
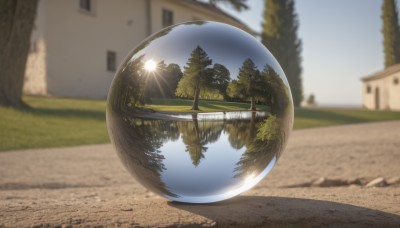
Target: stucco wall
(78,43)
(185,12)
(72,45)
(394,92)
(389,93)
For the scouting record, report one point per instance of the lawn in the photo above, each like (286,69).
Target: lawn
(179,105)
(55,122)
(321,117)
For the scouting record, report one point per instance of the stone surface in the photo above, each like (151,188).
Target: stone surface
(377,182)
(87,186)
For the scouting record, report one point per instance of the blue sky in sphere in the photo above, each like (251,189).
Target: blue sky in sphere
(341,42)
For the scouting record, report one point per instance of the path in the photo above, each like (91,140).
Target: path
(87,185)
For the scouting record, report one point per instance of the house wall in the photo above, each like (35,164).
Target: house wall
(389,93)
(184,12)
(77,44)
(394,92)
(72,45)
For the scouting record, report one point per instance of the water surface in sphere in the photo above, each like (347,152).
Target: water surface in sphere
(199,112)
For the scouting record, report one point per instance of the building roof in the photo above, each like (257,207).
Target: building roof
(216,11)
(382,74)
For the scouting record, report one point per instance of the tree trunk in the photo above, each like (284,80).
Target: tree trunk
(253,129)
(252,104)
(16,23)
(196,99)
(196,127)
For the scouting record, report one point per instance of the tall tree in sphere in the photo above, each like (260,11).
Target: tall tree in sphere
(279,35)
(16,23)
(247,84)
(194,75)
(391,32)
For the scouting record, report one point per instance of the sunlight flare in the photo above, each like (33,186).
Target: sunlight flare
(150,65)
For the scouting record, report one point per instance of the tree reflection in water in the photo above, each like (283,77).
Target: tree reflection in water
(196,135)
(139,149)
(138,142)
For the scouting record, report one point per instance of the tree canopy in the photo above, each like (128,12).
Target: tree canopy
(249,83)
(195,76)
(163,81)
(279,35)
(391,32)
(220,78)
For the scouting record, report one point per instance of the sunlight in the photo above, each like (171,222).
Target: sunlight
(150,65)
(249,179)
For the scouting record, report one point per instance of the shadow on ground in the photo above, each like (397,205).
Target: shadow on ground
(250,211)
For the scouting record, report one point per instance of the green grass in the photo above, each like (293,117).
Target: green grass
(179,105)
(53,122)
(308,118)
(56,122)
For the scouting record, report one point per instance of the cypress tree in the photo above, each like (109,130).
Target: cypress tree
(391,32)
(279,35)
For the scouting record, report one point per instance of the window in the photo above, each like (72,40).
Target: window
(167,17)
(85,5)
(111,61)
(368,89)
(396,81)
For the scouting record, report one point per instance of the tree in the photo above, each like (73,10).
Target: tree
(391,32)
(220,79)
(276,93)
(162,82)
(127,92)
(172,75)
(138,143)
(262,148)
(194,76)
(238,5)
(311,100)
(279,35)
(248,84)
(197,135)
(16,23)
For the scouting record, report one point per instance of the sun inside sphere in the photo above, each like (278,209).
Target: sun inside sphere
(150,65)
(199,112)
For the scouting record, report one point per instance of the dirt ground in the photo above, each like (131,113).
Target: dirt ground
(333,177)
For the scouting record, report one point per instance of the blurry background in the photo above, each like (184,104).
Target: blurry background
(342,42)
(59,58)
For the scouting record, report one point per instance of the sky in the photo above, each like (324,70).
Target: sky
(341,42)
(231,53)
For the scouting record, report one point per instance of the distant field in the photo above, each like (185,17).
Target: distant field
(56,122)
(307,118)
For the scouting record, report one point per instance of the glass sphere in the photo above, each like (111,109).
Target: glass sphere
(199,112)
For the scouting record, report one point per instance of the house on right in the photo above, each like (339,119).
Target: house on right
(381,91)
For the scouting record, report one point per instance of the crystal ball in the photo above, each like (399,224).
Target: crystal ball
(199,112)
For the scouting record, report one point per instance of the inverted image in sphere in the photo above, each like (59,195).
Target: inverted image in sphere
(199,112)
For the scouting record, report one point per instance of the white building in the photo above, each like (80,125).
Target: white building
(381,91)
(77,45)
